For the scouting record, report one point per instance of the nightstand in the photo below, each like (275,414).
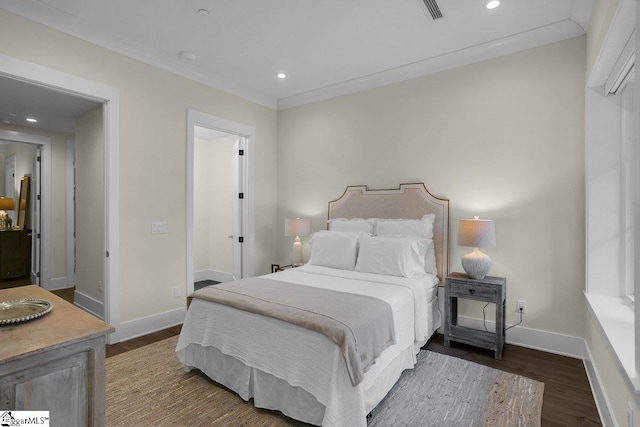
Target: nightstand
(277,267)
(490,289)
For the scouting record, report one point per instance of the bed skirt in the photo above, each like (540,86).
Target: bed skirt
(271,392)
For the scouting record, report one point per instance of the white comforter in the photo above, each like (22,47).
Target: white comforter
(305,358)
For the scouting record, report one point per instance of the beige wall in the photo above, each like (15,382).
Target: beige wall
(58,189)
(90,205)
(502,139)
(153,111)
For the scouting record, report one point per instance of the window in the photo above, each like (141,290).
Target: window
(627,185)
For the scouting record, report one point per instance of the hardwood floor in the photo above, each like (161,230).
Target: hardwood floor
(115,349)
(568,400)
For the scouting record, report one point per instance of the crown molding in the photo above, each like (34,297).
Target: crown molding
(526,40)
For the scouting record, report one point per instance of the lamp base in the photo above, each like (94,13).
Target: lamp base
(296,254)
(476,264)
(5,221)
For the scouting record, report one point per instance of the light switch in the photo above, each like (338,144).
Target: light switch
(158,227)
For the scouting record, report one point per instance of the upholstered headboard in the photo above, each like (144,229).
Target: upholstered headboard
(409,201)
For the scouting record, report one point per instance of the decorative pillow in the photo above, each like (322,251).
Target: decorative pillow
(356,225)
(406,227)
(392,256)
(334,249)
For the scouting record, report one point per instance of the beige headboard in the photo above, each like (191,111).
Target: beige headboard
(409,201)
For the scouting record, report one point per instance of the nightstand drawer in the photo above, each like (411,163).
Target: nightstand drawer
(469,290)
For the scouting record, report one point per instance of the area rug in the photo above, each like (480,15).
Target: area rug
(446,391)
(149,387)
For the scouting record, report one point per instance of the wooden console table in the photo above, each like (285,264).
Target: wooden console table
(55,363)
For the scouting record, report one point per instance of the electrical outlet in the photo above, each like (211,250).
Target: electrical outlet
(521,306)
(176,292)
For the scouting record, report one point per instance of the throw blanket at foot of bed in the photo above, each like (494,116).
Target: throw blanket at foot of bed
(362,326)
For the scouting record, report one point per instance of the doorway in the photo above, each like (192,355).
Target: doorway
(229,145)
(35,147)
(217,222)
(109,97)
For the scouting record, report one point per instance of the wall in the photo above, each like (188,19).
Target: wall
(213,208)
(90,205)
(58,207)
(153,159)
(502,139)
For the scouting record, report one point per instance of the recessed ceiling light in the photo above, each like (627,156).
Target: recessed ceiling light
(492,4)
(187,56)
(204,12)
(281,75)
(31,119)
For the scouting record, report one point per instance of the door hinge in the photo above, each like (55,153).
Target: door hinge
(241,239)
(38,158)
(240,195)
(240,152)
(37,235)
(38,197)
(38,274)
(107,254)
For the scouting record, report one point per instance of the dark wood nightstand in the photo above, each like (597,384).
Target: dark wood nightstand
(490,289)
(277,267)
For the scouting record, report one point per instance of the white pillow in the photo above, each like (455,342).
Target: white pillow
(356,225)
(430,259)
(392,256)
(406,227)
(334,249)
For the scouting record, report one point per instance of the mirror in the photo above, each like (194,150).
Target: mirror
(23,205)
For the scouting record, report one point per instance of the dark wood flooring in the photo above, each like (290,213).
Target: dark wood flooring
(568,400)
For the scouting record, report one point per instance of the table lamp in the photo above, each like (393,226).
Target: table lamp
(477,233)
(297,227)
(6,204)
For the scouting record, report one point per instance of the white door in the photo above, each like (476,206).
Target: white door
(10,183)
(238,167)
(36,223)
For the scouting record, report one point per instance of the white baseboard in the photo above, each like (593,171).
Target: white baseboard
(88,304)
(602,402)
(59,283)
(146,325)
(218,276)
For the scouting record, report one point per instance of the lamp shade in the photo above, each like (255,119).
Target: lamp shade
(477,233)
(6,204)
(297,227)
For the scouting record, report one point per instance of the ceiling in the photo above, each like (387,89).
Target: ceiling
(327,48)
(53,110)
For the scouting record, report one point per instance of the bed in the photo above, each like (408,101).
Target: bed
(306,374)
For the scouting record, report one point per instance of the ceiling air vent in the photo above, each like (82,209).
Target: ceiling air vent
(433,9)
